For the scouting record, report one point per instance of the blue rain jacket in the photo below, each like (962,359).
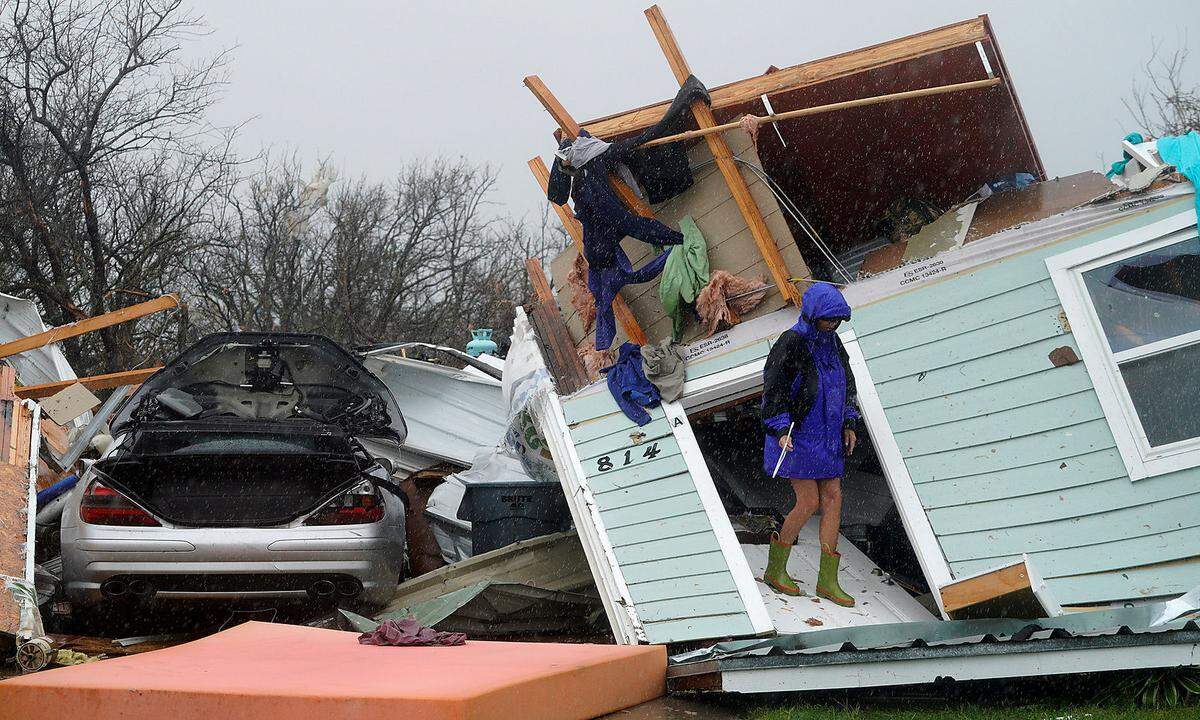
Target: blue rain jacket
(628,384)
(807,379)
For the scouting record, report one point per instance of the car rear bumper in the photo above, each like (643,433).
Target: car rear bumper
(102,564)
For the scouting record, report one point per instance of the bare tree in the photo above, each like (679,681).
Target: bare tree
(107,164)
(1162,103)
(421,258)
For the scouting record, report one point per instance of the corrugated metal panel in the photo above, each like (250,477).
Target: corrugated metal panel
(450,413)
(680,577)
(1011,455)
(20,318)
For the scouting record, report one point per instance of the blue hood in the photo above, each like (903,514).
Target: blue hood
(822,300)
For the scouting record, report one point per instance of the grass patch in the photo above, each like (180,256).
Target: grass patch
(967,711)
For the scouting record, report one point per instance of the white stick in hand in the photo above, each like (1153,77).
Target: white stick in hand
(782,451)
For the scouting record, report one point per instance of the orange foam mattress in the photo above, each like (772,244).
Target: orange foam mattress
(259,670)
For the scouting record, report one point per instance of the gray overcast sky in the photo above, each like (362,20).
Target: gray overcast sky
(372,84)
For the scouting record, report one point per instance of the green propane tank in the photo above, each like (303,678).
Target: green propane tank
(481,342)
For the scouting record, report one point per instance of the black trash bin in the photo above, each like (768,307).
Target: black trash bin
(501,513)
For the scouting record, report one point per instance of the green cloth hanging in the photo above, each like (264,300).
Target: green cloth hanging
(685,274)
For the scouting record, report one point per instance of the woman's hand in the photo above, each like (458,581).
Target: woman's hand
(849,440)
(785,443)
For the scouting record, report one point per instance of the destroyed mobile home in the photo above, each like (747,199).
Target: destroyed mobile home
(1021,347)
(1020,501)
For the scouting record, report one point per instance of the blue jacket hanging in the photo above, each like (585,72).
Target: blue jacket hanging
(628,384)
(807,380)
(606,220)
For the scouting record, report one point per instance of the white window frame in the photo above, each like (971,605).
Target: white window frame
(1066,270)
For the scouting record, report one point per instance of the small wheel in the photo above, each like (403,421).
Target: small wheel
(33,655)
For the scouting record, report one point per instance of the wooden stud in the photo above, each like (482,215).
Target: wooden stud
(725,163)
(621,309)
(537,278)
(832,107)
(570,128)
(62,332)
(95,382)
(988,586)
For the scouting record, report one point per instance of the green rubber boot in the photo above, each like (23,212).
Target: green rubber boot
(827,579)
(776,575)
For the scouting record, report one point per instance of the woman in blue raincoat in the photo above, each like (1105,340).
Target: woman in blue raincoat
(809,414)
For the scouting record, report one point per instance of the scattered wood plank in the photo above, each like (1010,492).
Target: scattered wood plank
(62,332)
(725,163)
(621,309)
(95,382)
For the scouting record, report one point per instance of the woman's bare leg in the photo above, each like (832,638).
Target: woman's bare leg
(807,500)
(830,491)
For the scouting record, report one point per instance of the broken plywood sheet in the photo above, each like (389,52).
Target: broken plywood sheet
(731,245)
(1036,202)
(945,233)
(878,602)
(69,403)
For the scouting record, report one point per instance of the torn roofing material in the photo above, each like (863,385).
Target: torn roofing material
(450,413)
(20,318)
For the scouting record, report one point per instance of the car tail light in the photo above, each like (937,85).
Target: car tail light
(361,504)
(104,506)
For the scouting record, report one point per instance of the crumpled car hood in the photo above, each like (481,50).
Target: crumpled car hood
(267,377)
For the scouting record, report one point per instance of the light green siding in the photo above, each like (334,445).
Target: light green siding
(678,578)
(1012,455)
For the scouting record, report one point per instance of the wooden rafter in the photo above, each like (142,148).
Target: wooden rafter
(62,332)
(725,163)
(95,382)
(570,128)
(621,309)
(806,74)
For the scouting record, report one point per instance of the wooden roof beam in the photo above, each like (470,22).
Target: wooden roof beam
(621,309)
(809,73)
(725,163)
(570,128)
(95,382)
(87,325)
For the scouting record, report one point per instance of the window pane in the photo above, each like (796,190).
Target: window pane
(1165,389)
(1148,297)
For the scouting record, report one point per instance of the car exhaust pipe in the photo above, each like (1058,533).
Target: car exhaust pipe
(322,589)
(140,588)
(349,587)
(113,588)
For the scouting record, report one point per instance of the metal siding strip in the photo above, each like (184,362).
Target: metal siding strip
(720,581)
(666,507)
(719,519)
(1144,582)
(710,626)
(1025,480)
(696,521)
(912,515)
(1101,528)
(999,338)
(687,607)
(1097,497)
(702,368)
(1113,556)
(969,667)
(610,583)
(1013,303)
(1001,426)
(610,425)
(1050,383)
(645,491)
(687,566)
(1041,447)
(1017,362)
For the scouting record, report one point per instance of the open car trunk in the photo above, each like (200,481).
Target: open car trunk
(225,479)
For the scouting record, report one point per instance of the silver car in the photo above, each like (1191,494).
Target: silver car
(239,472)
